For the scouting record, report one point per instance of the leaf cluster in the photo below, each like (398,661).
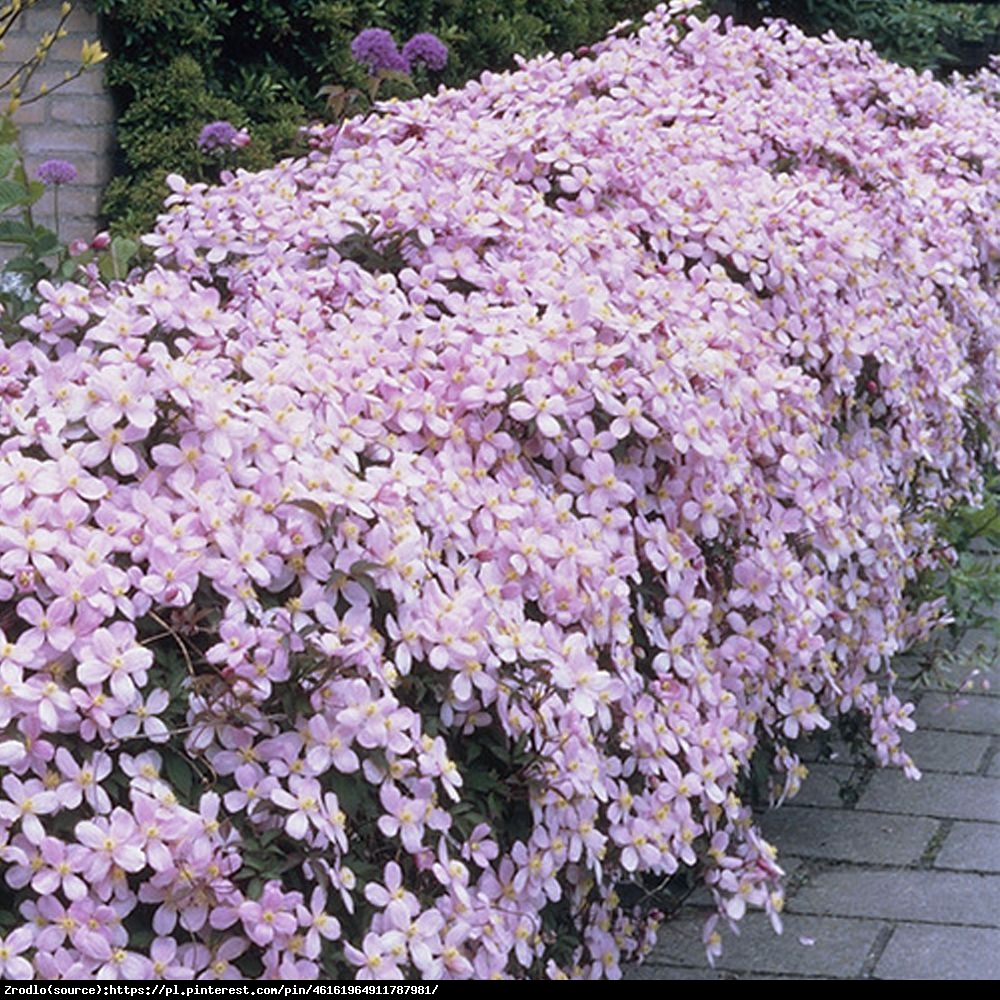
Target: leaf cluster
(33,252)
(917,33)
(268,64)
(967,585)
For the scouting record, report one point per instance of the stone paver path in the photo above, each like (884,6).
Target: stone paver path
(904,883)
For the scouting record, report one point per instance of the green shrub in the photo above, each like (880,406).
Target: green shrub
(177,64)
(262,64)
(917,33)
(158,134)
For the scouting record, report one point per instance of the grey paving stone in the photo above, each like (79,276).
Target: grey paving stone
(821,746)
(971,847)
(648,972)
(922,951)
(658,973)
(978,646)
(993,770)
(969,797)
(679,939)
(823,784)
(916,895)
(940,750)
(809,946)
(837,835)
(960,713)
(975,675)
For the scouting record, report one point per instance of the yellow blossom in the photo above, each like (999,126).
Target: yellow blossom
(91,53)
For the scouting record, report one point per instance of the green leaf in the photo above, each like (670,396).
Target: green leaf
(268,837)
(114,265)
(363,567)
(258,862)
(311,507)
(179,774)
(8,157)
(15,231)
(44,243)
(481,781)
(33,189)
(13,194)
(366,582)
(123,250)
(68,268)
(353,797)
(24,264)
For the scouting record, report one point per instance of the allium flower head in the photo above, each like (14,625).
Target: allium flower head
(428,49)
(222,135)
(375,49)
(56,172)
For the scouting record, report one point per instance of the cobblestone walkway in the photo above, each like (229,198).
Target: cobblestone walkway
(902,884)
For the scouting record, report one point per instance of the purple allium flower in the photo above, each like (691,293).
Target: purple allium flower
(221,135)
(375,48)
(428,49)
(56,172)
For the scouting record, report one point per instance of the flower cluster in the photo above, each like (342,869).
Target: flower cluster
(426,49)
(376,50)
(222,136)
(56,172)
(433,539)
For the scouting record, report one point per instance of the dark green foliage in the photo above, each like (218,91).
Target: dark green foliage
(158,132)
(261,64)
(918,33)
(956,657)
(31,252)
(178,64)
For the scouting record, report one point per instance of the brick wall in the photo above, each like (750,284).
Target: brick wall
(75,123)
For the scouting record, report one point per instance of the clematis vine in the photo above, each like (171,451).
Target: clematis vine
(419,552)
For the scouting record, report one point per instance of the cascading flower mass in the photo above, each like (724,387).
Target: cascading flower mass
(423,547)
